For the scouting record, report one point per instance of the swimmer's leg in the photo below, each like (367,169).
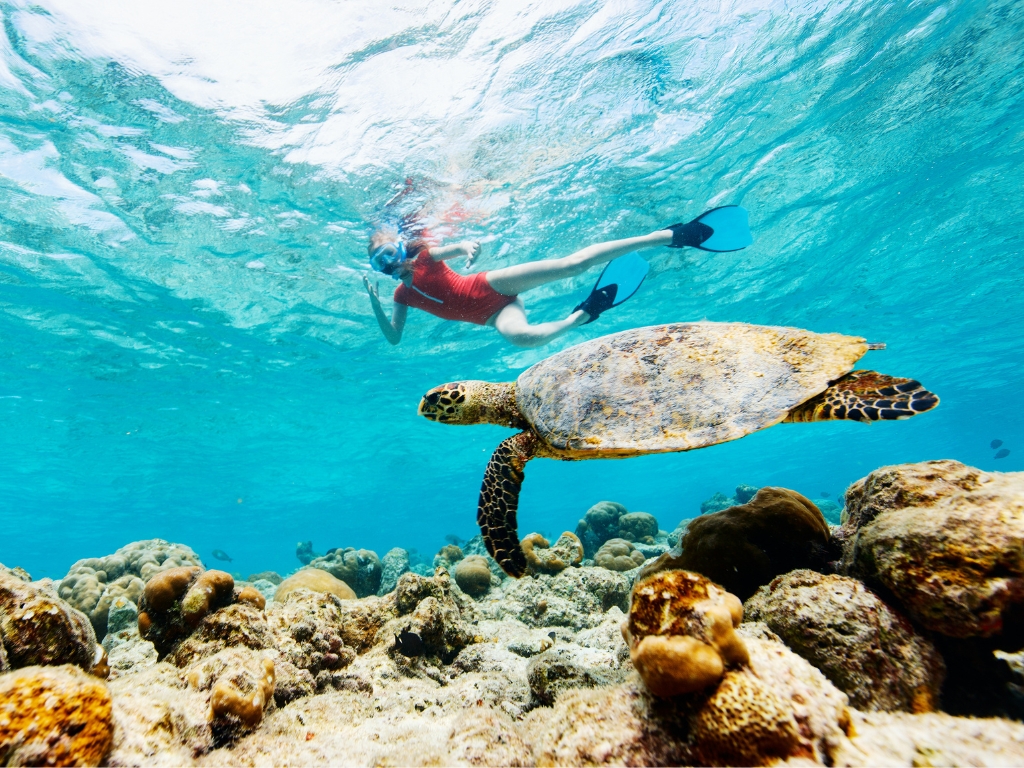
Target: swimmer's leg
(511,323)
(522,277)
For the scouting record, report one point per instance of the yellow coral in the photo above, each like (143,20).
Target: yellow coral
(314,580)
(54,716)
(681,632)
(241,697)
(541,557)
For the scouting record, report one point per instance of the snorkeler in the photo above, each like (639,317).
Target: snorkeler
(492,297)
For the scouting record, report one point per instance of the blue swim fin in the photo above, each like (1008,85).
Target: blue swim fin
(619,280)
(718,230)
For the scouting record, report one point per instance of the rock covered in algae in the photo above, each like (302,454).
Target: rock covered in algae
(680,632)
(947,540)
(473,575)
(394,563)
(238,625)
(308,630)
(567,667)
(618,555)
(359,568)
(542,557)
(576,598)
(54,716)
(38,628)
(315,580)
(868,650)
(427,609)
(92,584)
(745,547)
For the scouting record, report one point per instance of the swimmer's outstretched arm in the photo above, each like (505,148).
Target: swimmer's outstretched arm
(391,328)
(466,248)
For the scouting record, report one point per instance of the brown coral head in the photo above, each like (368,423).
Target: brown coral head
(165,587)
(664,603)
(239,699)
(542,557)
(211,590)
(252,596)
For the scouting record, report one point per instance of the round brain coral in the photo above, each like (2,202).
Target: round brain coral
(473,575)
(315,580)
(638,526)
(618,555)
(680,632)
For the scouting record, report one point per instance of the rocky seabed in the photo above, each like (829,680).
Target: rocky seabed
(755,634)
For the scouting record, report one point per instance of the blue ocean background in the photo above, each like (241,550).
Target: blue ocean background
(186,348)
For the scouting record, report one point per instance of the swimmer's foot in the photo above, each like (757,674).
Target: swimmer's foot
(600,300)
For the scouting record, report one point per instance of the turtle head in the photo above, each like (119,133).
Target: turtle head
(472,402)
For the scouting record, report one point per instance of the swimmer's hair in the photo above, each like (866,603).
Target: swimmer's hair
(379,237)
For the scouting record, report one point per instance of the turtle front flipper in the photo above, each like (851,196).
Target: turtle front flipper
(499,500)
(866,396)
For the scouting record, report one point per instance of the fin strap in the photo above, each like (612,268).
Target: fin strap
(691,234)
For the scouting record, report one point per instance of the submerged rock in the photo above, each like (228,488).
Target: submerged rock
(394,563)
(746,546)
(38,628)
(865,648)
(947,540)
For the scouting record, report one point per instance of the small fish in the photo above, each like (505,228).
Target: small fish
(551,635)
(1003,453)
(409,643)
(824,494)
(220,554)
(995,444)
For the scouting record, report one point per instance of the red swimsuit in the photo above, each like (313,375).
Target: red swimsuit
(439,290)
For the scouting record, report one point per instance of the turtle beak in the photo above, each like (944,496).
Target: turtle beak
(442,403)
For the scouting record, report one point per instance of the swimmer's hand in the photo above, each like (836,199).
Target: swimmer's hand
(372,289)
(471,249)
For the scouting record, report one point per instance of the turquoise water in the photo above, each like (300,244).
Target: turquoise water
(186,349)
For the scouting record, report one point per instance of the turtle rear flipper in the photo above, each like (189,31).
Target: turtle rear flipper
(866,396)
(499,500)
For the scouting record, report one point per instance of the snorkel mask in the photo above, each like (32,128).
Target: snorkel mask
(387,257)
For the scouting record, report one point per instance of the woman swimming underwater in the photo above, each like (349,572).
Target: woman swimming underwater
(492,297)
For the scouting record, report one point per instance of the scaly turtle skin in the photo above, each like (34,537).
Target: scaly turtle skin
(661,389)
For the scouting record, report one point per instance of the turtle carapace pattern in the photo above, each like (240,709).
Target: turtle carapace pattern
(662,389)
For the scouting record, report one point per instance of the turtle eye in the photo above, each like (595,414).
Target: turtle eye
(431,397)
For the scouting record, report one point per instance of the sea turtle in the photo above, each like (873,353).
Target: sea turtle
(660,389)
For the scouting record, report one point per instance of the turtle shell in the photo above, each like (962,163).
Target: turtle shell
(678,387)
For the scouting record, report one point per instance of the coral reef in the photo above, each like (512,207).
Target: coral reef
(618,555)
(947,540)
(473,575)
(638,526)
(394,563)
(541,557)
(304,552)
(448,556)
(600,523)
(272,576)
(54,716)
(680,632)
(745,547)
(38,628)
(718,502)
(360,569)
(865,648)
(576,598)
(314,580)
(91,585)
